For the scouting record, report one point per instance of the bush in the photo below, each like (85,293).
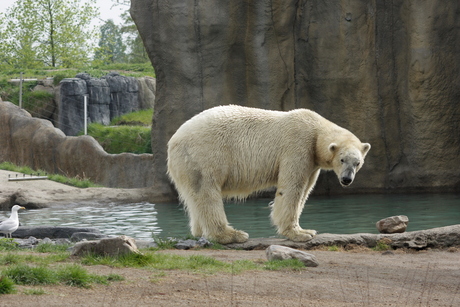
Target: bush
(6,285)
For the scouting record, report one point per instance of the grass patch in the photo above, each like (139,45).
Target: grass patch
(52,248)
(142,117)
(382,245)
(38,291)
(7,244)
(119,139)
(27,275)
(6,285)
(75,181)
(71,275)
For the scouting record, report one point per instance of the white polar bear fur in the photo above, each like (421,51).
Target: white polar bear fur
(233,151)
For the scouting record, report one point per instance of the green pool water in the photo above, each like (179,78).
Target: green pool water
(338,214)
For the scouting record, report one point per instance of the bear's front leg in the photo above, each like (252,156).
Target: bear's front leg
(287,207)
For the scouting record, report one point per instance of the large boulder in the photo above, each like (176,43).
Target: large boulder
(71,107)
(123,94)
(25,140)
(386,70)
(118,246)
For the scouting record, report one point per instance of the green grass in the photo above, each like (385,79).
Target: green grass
(119,139)
(75,181)
(7,244)
(195,263)
(142,117)
(71,275)
(10,92)
(38,291)
(52,248)
(6,285)
(382,245)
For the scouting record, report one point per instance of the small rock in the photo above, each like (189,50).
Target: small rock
(80,236)
(146,244)
(393,224)
(278,252)
(46,241)
(62,241)
(203,242)
(186,244)
(106,247)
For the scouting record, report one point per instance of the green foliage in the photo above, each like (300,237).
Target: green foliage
(39,291)
(6,285)
(289,264)
(138,53)
(111,47)
(36,101)
(142,117)
(48,32)
(169,243)
(52,248)
(382,246)
(71,275)
(26,275)
(75,181)
(8,244)
(120,139)
(333,248)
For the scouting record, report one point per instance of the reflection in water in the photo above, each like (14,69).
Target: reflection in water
(338,214)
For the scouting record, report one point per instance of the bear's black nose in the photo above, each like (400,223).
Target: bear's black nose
(346,180)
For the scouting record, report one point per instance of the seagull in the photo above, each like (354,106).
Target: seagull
(10,225)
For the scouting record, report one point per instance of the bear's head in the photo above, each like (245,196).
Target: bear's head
(348,158)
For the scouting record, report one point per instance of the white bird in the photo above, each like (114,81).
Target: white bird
(10,225)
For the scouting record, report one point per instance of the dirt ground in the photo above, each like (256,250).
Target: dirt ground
(344,278)
(351,278)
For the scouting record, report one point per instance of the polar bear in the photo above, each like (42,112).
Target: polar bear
(233,151)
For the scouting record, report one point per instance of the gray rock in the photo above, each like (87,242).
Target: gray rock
(281,63)
(146,244)
(441,237)
(392,224)
(203,242)
(52,232)
(25,140)
(124,93)
(71,108)
(106,247)
(278,252)
(46,241)
(80,236)
(62,241)
(186,244)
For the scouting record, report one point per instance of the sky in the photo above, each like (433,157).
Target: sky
(105,9)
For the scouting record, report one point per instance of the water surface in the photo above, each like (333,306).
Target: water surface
(338,214)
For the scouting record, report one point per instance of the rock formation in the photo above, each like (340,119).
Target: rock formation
(108,97)
(387,71)
(25,140)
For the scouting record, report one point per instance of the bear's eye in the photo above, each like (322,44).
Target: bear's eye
(357,164)
(341,160)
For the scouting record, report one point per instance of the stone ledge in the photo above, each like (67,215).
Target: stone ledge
(441,237)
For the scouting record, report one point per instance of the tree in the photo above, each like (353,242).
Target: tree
(137,53)
(111,48)
(48,32)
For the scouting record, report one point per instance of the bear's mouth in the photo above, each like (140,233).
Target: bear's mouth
(347,178)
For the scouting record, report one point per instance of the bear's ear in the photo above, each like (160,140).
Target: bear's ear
(366,147)
(332,147)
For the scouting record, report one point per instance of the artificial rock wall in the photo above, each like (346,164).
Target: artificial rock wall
(389,71)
